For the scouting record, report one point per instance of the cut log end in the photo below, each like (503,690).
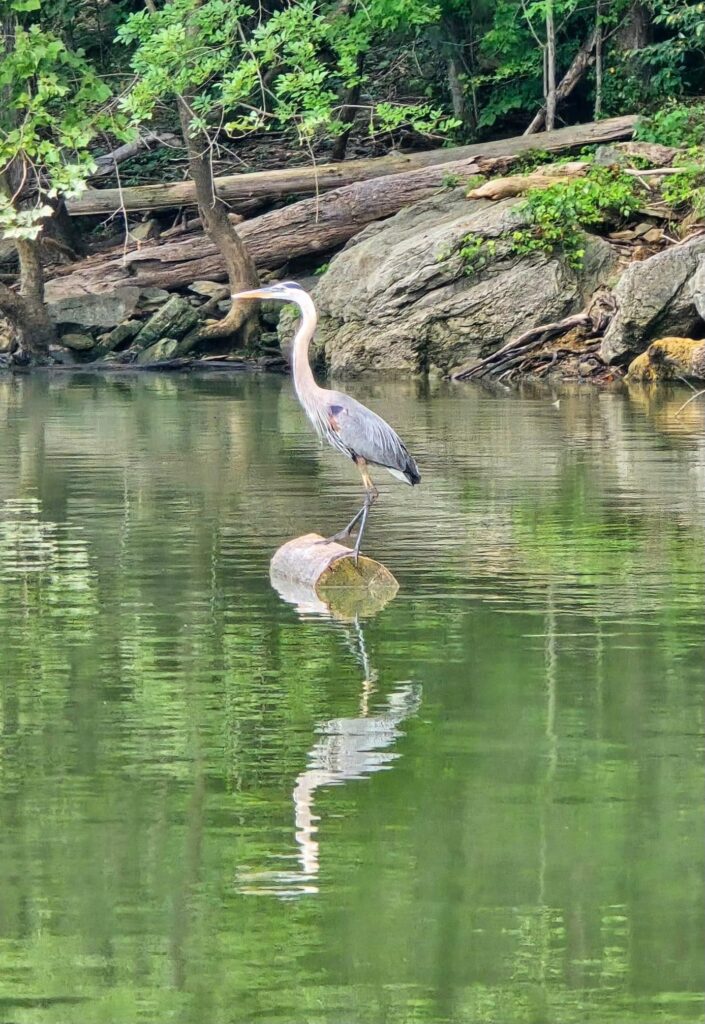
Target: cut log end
(323,578)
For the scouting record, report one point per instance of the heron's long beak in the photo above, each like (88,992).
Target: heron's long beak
(256,293)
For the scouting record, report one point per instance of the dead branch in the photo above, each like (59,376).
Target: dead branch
(579,65)
(106,163)
(535,336)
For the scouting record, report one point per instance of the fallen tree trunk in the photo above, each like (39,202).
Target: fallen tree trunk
(311,226)
(307,180)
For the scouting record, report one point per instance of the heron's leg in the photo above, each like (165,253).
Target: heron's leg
(343,534)
(371,495)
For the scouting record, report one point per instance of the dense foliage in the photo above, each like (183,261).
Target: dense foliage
(55,105)
(254,69)
(480,69)
(273,64)
(312,74)
(556,215)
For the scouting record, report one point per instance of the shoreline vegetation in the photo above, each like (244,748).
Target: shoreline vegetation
(497,210)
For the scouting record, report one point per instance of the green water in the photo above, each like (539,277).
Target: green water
(481,805)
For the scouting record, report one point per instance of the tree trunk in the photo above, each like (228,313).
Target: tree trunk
(597,110)
(456,47)
(348,112)
(461,108)
(37,329)
(635,32)
(550,69)
(62,231)
(633,35)
(578,67)
(26,309)
(240,269)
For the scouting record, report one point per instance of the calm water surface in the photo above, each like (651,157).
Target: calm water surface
(481,805)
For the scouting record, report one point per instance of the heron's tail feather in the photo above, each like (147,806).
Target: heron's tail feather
(411,472)
(408,475)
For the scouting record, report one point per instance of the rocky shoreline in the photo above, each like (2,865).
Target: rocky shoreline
(146,327)
(436,289)
(400,297)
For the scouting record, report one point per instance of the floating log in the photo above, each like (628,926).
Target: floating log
(322,578)
(307,180)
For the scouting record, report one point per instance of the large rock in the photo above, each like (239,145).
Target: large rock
(175,319)
(666,359)
(209,289)
(109,342)
(160,352)
(78,342)
(400,295)
(7,335)
(151,298)
(697,287)
(99,310)
(655,297)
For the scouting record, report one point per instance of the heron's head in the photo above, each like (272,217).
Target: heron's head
(285,291)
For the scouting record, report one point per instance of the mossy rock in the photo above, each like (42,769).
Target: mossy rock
(667,359)
(161,352)
(78,342)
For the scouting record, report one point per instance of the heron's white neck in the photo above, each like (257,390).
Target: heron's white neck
(304,381)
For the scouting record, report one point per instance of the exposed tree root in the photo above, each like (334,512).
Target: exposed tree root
(527,353)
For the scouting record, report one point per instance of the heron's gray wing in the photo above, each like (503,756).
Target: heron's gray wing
(367,435)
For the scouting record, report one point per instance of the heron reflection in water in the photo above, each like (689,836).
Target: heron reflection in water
(346,424)
(348,749)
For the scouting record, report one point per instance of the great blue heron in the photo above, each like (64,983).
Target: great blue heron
(344,423)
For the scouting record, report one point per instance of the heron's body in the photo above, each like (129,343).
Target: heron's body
(360,434)
(346,424)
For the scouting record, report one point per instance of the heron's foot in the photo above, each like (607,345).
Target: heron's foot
(336,538)
(356,549)
(345,533)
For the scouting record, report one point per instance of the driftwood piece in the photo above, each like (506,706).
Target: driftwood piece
(593,320)
(323,578)
(238,188)
(507,354)
(517,184)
